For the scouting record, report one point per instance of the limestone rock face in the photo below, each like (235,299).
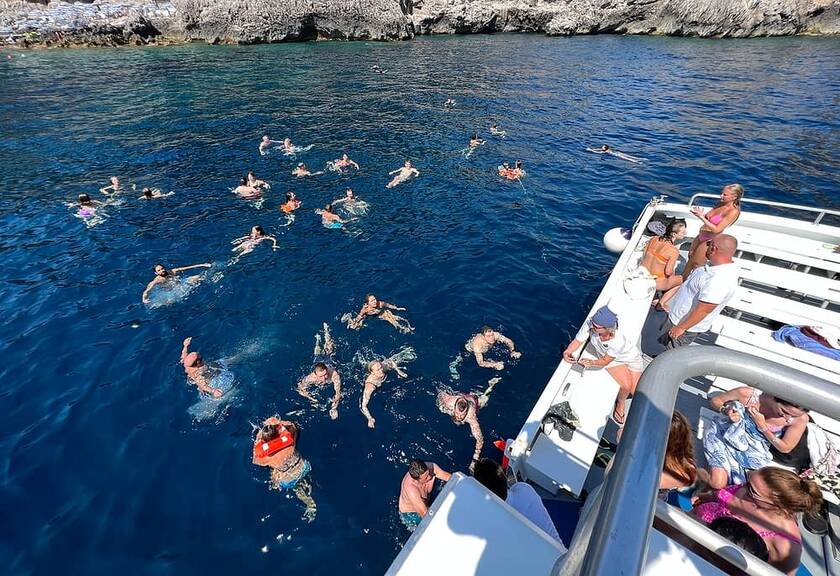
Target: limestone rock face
(113,22)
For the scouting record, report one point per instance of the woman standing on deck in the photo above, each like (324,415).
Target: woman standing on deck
(661,255)
(768,501)
(715,221)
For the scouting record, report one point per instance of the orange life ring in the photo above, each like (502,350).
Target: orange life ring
(272,447)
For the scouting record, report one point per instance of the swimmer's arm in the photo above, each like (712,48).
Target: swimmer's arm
(475,428)
(339,201)
(394,171)
(105,189)
(417,503)
(184,268)
(439,473)
(336,380)
(392,306)
(506,341)
(415,171)
(365,399)
(303,390)
(273,242)
(354,164)
(479,357)
(186,348)
(148,289)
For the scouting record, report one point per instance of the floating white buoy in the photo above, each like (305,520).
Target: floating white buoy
(616,240)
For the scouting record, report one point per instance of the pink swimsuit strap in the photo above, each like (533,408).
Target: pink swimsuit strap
(710,511)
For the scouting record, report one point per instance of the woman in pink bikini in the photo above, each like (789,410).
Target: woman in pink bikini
(768,502)
(715,221)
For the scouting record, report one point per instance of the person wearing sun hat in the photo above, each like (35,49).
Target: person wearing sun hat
(620,356)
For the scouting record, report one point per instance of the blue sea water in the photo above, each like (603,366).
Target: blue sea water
(104,467)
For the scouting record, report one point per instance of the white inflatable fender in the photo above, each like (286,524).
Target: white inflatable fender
(616,240)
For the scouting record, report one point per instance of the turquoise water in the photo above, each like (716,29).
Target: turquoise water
(107,465)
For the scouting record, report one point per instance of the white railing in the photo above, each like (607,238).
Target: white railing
(820,212)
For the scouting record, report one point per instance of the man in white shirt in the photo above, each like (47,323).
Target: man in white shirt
(694,306)
(521,496)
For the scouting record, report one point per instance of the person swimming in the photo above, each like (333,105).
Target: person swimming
(496,131)
(152,193)
(301,171)
(246,244)
(266,143)
(246,191)
(291,204)
(605,149)
(475,141)
(87,207)
(375,307)
(275,447)
(344,162)
(402,174)
(464,408)
(377,372)
(113,188)
(515,173)
(163,276)
(329,218)
(351,203)
(197,370)
(253,182)
(449,103)
(323,372)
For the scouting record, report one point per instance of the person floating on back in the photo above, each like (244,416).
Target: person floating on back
(402,174)
(375,307)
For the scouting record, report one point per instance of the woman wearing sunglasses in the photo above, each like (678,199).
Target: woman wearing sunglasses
(768,502)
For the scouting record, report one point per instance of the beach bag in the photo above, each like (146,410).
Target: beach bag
(824,455)
(639,284)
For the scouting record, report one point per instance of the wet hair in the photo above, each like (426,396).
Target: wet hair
(790,493)
(369,296)
(84,199)
(290,195)
(672,227)
(679,456)
(269,432)
(369,366)
(165,269)
(242,181)
(738,190)
(301,165)
(461,405)
(416,468)
(147,192)
(474,137)
(320,367)
(491,475)
(259,229)
(518,164)
(485,329)
(251,173)
(789,403)
(605,147)
(742,535)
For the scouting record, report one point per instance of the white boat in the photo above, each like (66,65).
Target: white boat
(789,263)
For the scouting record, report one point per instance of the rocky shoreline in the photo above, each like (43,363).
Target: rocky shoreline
(140,22)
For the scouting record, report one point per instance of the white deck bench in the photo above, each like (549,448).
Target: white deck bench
(781,309)
(814,286)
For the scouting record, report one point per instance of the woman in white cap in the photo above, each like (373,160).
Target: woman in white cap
(621,357)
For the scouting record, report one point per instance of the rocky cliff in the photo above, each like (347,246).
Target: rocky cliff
(110,22)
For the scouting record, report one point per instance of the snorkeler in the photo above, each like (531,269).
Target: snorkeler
(344,162)
(464,409)
(291,204)
(402,174)
(323,372)
(267,143)
(329,218)
(475,141)
(246,244)
(164,276)
(152,193)
(114,187)
(253,182)
(382,309)
(197,370)
(275,447)
(496,131)
(482,342)
(377,373)
(246,191)
(607,150)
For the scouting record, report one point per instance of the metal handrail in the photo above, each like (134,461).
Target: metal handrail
(821,212)
(613,539)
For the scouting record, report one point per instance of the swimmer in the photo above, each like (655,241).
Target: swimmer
(87,207)
(152,193)
(482,342)
(377,372)
(607,150)
(416,490)
(449,103)
(464,409)
(496,131)
(329,218)
(515,173)
(246,244)
(114,187)
(345,162)
(382,309)
(518,170)
(267,143)
(402,174)
(164,276)
(475,141)
(291,204)
(376,68)
(253,182)
(246,191)
(323,372)
(301,170)
(197,370)
(275,447)
(349,198)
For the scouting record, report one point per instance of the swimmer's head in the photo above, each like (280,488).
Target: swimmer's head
(160,270)
(321,372)
(269,432)
(460,410)
(328,208)
(193,360)
(349,192)
(257,231)
(147,192)
(345,157)
(243,182)
(505,165)
(371,300)
(419,470)
(287,141)
(265,138)
(408,163)
(85,200)
(488,334)
(301,165)
(375,366)
(290,196)
(474,137)
(251,175)
(115,181)
(518,164)
(605,148)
